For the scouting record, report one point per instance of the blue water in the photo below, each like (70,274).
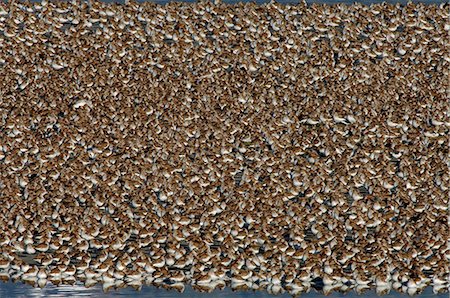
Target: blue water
(16,290)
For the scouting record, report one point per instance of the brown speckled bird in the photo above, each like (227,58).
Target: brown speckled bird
(267,146)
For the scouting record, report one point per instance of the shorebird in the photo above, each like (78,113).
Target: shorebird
(266,145)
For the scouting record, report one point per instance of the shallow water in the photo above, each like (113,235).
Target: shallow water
(16,290)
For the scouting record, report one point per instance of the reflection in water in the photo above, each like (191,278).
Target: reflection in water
(42,284)
(14,290)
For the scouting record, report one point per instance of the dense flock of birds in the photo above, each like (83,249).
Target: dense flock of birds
(278,147)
